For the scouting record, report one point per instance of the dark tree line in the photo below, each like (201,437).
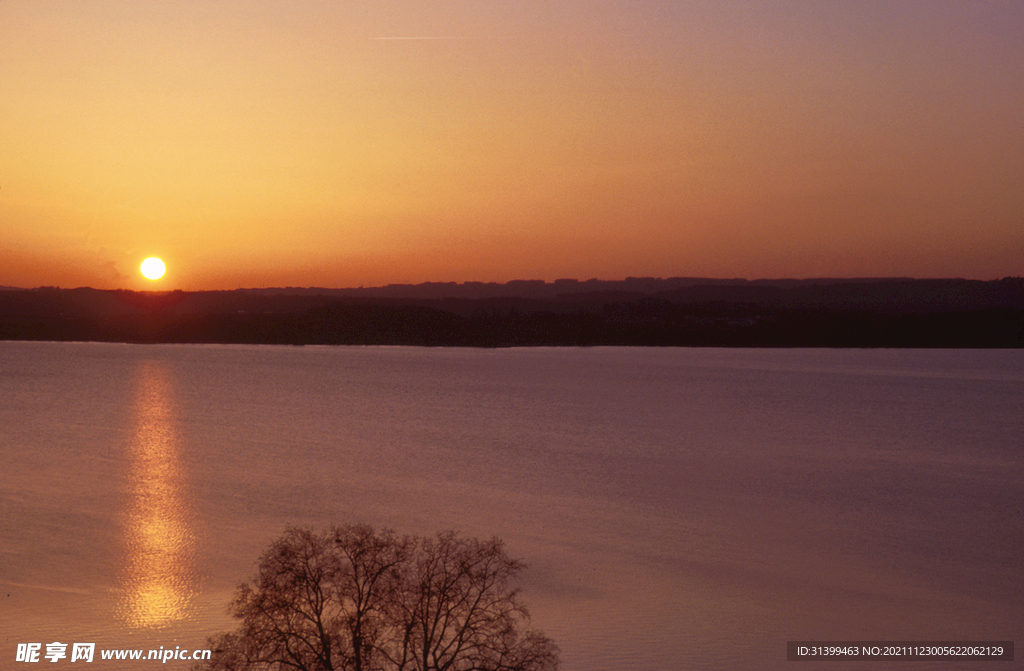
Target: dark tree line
(352,598)
(637,312)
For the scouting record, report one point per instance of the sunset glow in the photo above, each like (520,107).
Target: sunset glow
(333,144)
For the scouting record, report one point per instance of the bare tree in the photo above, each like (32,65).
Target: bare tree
(351,598)
(459,611)
(289,618)
(373,566)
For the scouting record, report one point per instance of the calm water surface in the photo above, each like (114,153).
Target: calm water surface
(678,508)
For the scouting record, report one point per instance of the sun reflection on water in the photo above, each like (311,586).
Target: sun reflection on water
(158,579)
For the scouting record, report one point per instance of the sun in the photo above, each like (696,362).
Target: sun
(152,268)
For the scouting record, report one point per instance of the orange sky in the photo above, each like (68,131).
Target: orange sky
(265,143)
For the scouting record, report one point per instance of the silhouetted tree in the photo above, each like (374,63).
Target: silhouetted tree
(351,598)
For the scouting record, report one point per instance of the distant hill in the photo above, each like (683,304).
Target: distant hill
(557,289)
(872,312)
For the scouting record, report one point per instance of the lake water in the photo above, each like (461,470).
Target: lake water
(678,508)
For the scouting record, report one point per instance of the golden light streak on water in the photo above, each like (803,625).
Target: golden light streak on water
(158,579)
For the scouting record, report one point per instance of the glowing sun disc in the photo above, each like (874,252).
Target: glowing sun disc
(152,268)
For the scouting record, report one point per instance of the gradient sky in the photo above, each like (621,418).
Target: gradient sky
(304,143)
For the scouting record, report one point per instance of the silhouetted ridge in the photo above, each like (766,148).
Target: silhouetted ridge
(635,311)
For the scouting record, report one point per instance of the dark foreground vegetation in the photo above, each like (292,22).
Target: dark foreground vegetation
(637,311)
(352,598)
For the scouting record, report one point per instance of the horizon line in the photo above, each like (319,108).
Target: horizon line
(544,282)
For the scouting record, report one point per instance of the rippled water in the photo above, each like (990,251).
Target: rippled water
(678,508)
